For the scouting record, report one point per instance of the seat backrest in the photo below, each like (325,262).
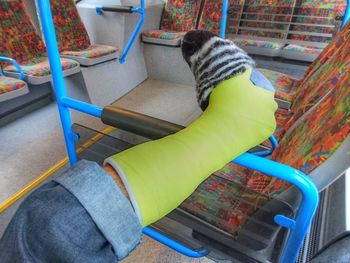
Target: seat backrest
(211,15)
(70,31)
(315,139)
(316,21)
(180,15)
(323,80)
(18,37)
(327,53)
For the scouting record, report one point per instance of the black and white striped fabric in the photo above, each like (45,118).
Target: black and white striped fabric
(217,60)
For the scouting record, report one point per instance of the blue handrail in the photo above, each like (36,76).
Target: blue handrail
(140,10)
(346,15)
(15,64)
(298,227)
(274,144)
(224,18)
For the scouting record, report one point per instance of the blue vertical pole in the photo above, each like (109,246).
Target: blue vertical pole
(346,15)
(141,11)
(224,18)
(57,75)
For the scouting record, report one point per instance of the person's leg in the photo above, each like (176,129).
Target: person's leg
(54,225)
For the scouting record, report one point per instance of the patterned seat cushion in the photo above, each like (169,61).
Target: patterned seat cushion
(303,49)
(10,84)
(258,43)
(166,35)
(93,51)
(284,84)
(41,67)
(222,203)
(11,88)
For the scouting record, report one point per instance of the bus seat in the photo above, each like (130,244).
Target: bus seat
(227,204)
(178,18)
(11,88)
(210,18)
(289,29)
(287,87)
(72,38)
(20,41)
(309,91)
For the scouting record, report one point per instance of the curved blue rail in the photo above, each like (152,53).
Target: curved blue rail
(140,10)
(16,65)
(274,144)
(346,17)
(298,227)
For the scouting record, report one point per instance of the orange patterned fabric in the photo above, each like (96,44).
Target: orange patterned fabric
(41,67)
(327,53)
(70,30)
(10,84)
(285,85)
(180,15)
(212,12)
(314,140)
(19,39)
(93,51)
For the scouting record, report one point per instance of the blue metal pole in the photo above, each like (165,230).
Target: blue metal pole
(82,106)
(300,225)
(15,64)
(224,18)
(346,15)
(135,33)
(174,244)
(57,75)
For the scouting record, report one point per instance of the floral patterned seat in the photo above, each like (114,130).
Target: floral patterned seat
(319,80)
(179,17)
(72,37)
(20,41)
(11,88)
(307,146)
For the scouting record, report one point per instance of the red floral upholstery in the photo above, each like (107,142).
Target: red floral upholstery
(93,51)
(285,85)
(41,67)
(10,84)
(212,12)
(180,15)
(19,39)
(167,35)
(70,30)
(178,18)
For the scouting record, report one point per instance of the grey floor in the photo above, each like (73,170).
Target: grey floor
(34,143)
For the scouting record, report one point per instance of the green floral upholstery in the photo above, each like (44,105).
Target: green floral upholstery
(10,84)
(41,67)
(93,51)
